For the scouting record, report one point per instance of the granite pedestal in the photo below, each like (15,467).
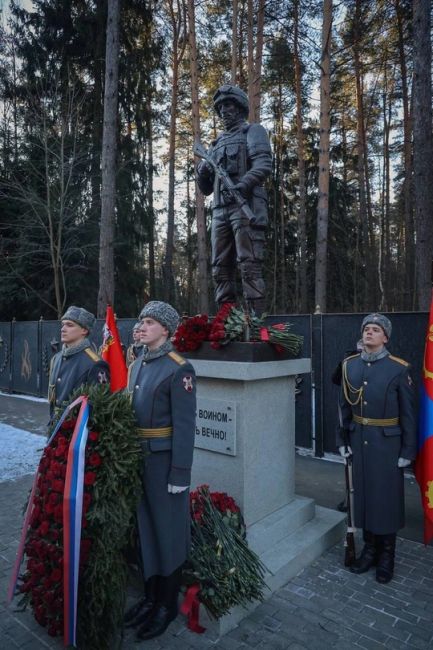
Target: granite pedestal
(245,446)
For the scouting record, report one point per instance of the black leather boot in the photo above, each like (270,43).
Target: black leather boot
(385,563)
(141,612)
(165,609)
(368,557)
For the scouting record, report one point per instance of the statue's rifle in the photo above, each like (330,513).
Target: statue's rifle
(349,542)
(225,179)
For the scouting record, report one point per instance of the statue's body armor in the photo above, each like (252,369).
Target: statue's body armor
(244,152)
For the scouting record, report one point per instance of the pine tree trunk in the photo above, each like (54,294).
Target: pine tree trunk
(325,125)
(422,149)
(234,69)
(177,17)
(302,215)
(409,275)
(250,59)
(203,281)
(150,165)
(109,144)
(258,59)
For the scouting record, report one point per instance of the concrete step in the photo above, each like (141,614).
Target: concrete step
(270,530)
(296,551)
(285,555)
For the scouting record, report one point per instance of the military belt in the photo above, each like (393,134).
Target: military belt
(162,432)
(376,422)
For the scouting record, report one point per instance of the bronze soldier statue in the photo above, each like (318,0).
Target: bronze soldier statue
(235,168)
(378,428)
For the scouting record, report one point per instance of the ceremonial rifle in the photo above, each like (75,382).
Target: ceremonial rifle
(224,177)
(349,542)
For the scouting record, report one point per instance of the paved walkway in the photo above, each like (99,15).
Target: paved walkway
(324,606)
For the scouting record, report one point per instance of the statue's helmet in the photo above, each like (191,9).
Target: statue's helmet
(234,94)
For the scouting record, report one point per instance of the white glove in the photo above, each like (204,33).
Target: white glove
(176,489)
(403,462)
(345,451)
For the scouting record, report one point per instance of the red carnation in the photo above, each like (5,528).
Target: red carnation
(94,436)
(89,478)
(54,498)
(44,528)
(56,575)
(95,459)
(58,485)
(58,513)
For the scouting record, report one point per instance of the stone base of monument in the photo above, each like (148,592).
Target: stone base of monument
(245,446)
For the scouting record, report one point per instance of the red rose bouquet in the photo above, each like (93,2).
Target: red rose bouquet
(191,333)
(234,324)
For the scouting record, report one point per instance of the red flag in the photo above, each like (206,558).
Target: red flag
(112,353)
(424,459)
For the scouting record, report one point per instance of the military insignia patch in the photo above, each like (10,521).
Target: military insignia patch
(187,383)
(102,377)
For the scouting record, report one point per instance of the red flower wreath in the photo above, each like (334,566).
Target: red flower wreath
(42,582)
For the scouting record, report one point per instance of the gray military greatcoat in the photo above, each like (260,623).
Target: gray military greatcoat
(67,373)
(163,395)
(379,390)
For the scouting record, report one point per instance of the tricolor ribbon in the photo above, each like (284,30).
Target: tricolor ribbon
(72,515)
(191,608)
(20,553)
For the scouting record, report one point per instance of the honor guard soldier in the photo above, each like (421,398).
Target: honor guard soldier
(76,364)
(244,153)
(162,386)
(136,347)
(378,428)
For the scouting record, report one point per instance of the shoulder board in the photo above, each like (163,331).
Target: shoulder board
(402,361)
(177,358)
(92,354)
(352,356)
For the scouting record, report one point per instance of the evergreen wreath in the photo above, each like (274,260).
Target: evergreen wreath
(111,492)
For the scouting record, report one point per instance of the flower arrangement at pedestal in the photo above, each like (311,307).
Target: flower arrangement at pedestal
(234,324)
(109,483)
(191,333)
(222,571)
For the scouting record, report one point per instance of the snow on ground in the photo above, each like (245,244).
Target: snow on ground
(29,398)
(20,452)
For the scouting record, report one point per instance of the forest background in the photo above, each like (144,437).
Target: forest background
(100,103)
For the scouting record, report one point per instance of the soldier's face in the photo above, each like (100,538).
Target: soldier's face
(136,335)
(72,333)
(229,112)
(373,338)
(152,333)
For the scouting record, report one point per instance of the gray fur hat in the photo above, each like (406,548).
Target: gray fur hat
(378,319)
(80,316)
(163,313)
(136,327)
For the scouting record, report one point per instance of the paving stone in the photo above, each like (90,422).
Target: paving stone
(416,642)
(324,607)
(369,644)
(370,633)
